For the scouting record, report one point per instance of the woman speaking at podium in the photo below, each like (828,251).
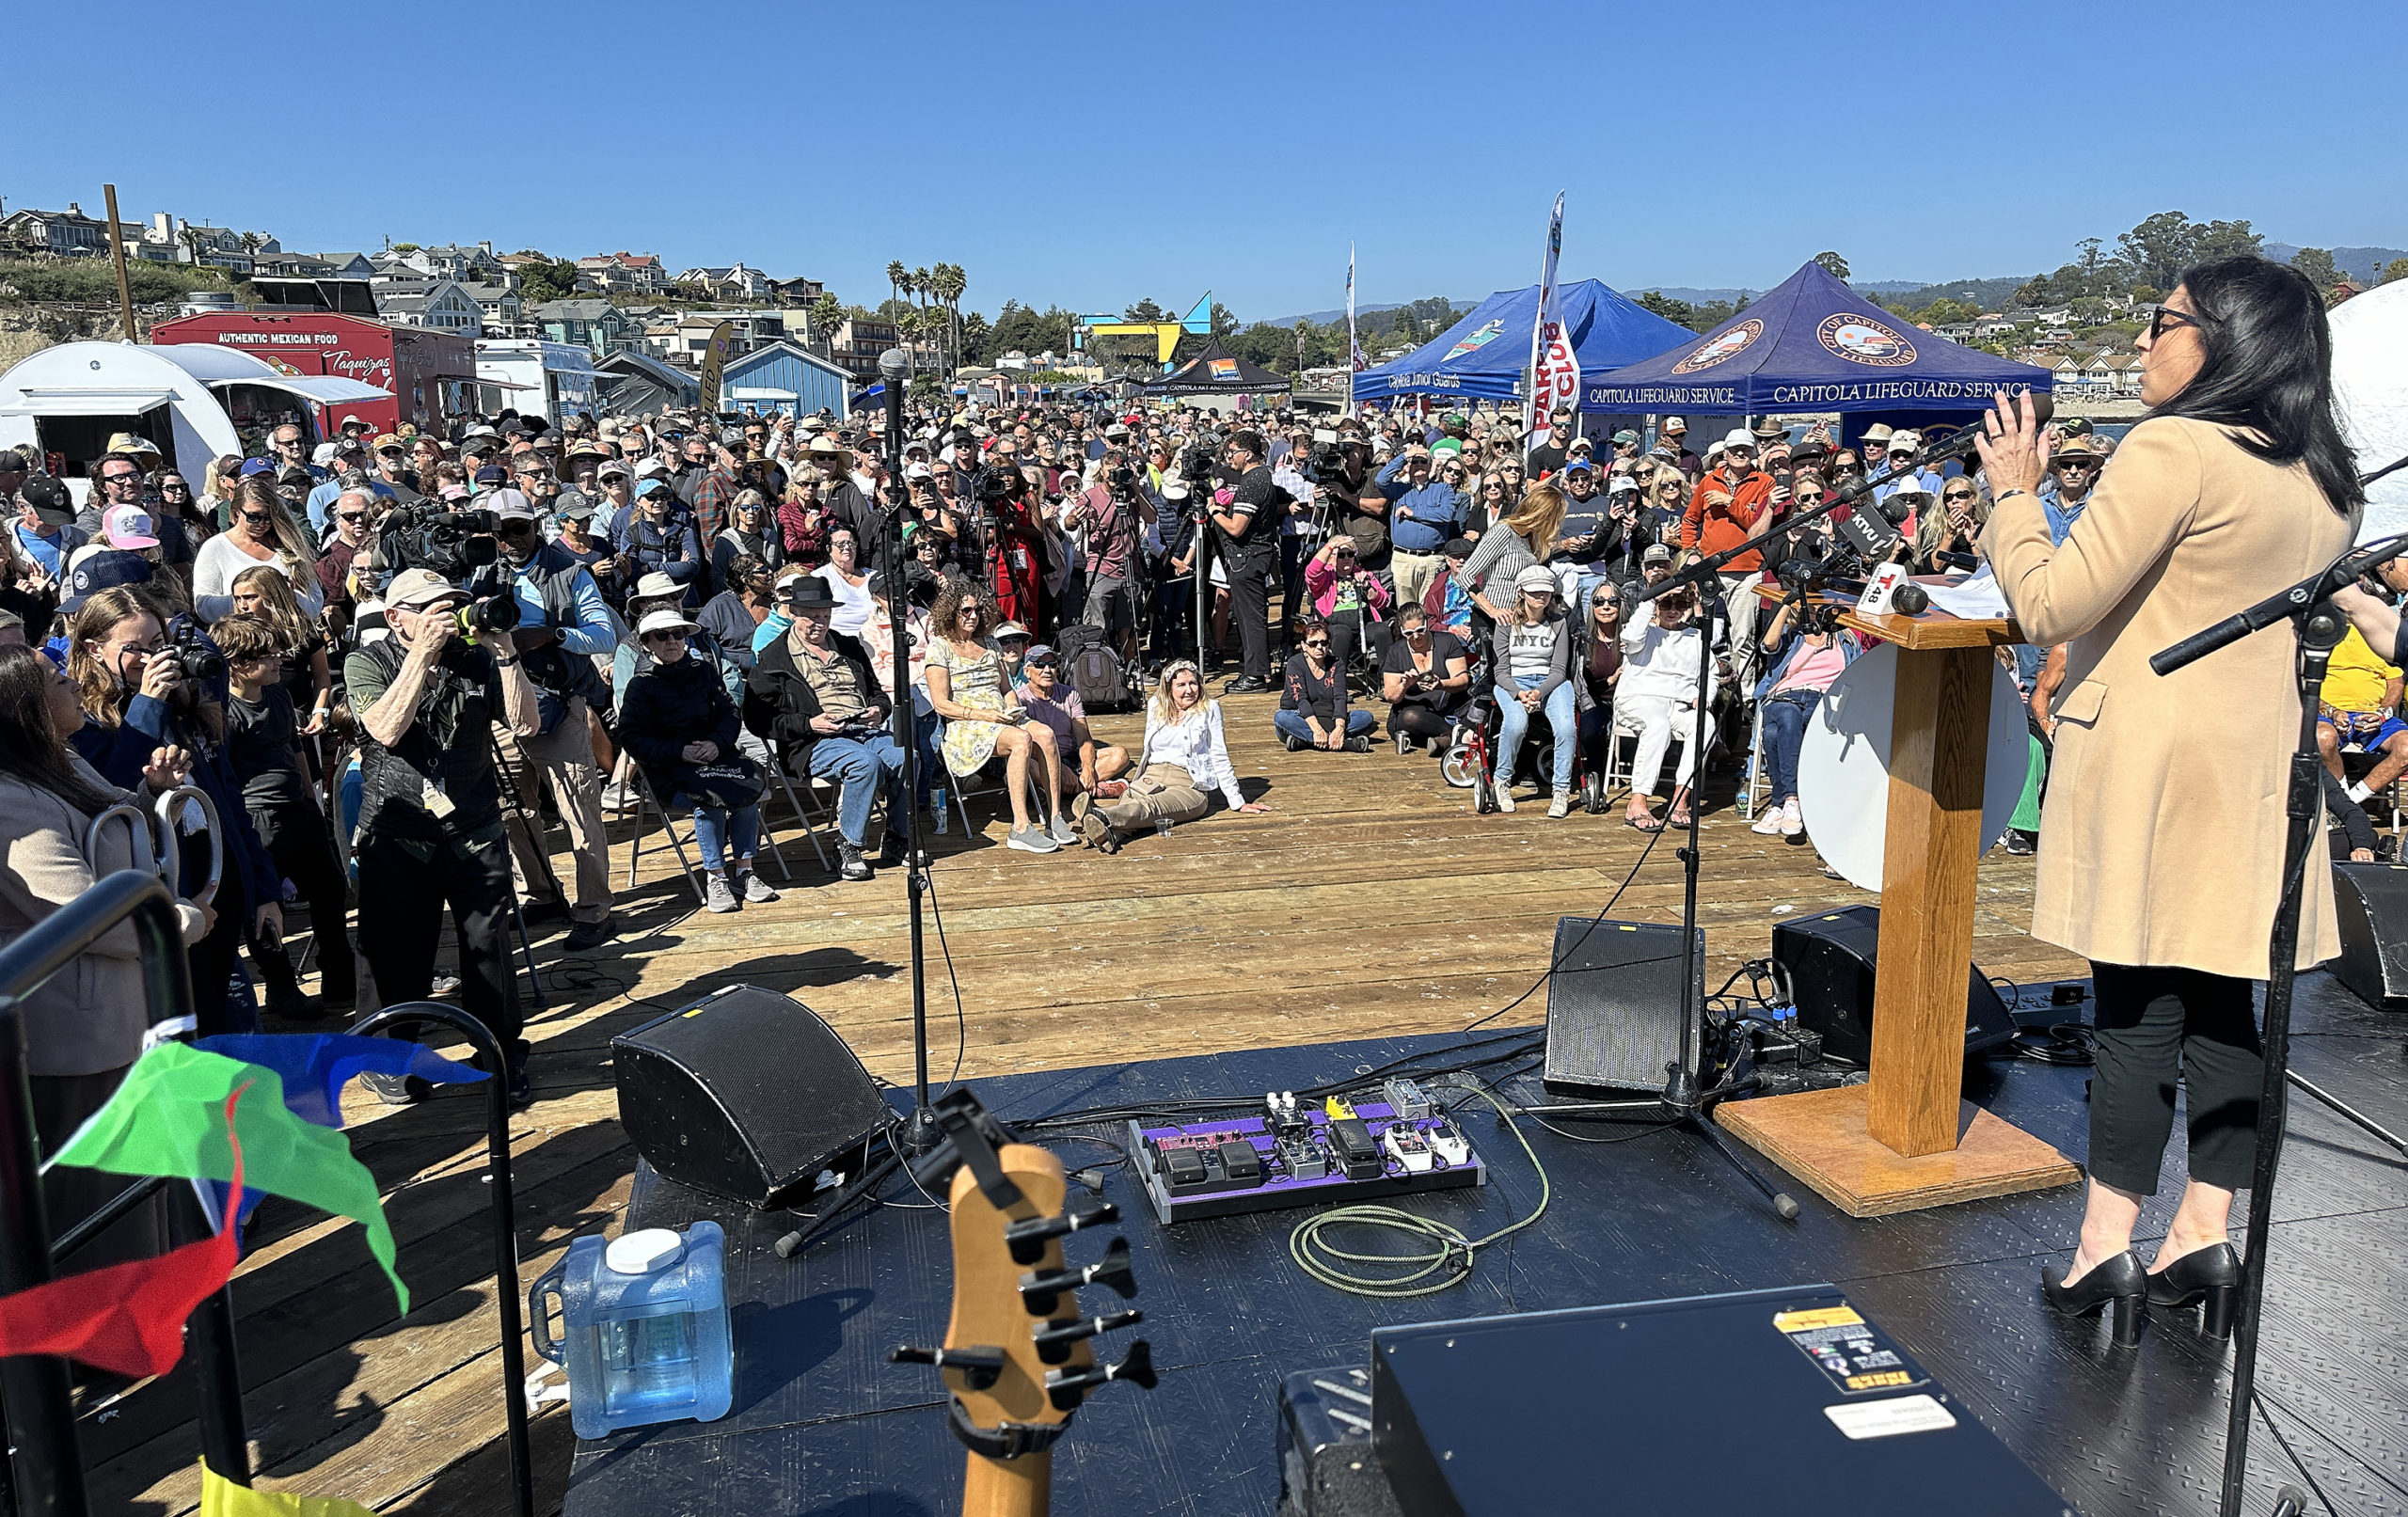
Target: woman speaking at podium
(2161,839)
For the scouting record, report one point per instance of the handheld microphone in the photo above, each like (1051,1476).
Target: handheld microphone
(1959,443)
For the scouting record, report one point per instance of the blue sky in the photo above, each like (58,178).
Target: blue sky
(1088,155)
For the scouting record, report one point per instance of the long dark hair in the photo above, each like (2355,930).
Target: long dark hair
(2268,369)
(30,749)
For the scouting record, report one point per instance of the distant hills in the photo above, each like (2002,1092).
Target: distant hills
(2364,265)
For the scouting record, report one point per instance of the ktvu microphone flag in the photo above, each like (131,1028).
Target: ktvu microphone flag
(1555,372)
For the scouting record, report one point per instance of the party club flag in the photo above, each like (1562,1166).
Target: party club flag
(222,1498)
(158,1124)
(315,1067)
(127,1318)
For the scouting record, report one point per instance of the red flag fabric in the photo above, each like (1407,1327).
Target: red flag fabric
(128,1318)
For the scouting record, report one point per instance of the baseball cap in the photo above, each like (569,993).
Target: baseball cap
(612,468)
(350,422)
(651,485)
(1738,437)
(127,526)
(1623,484)
(1579,466)
(652,468)
(1656,553)
(1906,442)
(1042,654)
(1537,577)
(104,570)
(666,621)
(1673,423)
(576,509)
(1625,435)
(1447,445)
(511,504)
(49,497)
(919,471)
(128,442)
(492,474)
(391,440)
(1010,630)
(420,587)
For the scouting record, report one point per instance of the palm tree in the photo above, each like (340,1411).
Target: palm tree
(950,284)
(827,314)
(251,242)
(191,237)
(896,275)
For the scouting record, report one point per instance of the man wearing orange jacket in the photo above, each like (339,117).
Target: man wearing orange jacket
(1732,504)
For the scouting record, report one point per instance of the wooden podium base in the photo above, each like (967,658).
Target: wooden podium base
(1820,1137)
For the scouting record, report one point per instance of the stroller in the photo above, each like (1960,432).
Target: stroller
(1468,761)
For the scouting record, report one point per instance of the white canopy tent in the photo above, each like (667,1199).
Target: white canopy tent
(2371,387)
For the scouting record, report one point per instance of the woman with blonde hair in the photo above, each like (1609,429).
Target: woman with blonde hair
(967,687)
(264,532)
(1954,528)
(1529,534)
(262,591)
(1184,752)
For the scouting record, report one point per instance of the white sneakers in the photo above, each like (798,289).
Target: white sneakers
(1768,822)
(1504,799)
(1561,806)
(1792,824)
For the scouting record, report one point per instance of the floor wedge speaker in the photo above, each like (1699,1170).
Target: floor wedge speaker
(1829,959)
(2372,900)
(745,1094)
(1613,1006)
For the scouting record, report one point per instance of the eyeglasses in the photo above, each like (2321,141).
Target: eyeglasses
(2162,317)
(1317,645)
(146,649)
(128,477)
(178,487)
(1419,631)
(1957,498)
(664,636)
(2084,463)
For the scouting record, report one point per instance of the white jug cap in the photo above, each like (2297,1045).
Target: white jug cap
(643,1251)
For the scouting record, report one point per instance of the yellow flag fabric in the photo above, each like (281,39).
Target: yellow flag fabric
(222,1498)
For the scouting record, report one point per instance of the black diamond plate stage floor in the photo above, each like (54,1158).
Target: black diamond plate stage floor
(823,1425)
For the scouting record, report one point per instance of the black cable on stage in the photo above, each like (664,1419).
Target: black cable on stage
(1595,922)
(961,1018)
(2292,1454)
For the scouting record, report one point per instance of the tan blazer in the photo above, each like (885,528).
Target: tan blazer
(2162,840)
(90,1016)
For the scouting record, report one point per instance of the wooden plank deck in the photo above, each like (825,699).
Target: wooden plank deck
(1370,901)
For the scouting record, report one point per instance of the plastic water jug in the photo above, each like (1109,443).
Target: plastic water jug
(644,1333)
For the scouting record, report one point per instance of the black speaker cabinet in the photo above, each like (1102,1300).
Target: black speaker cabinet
(2373,902)
(745,1094)
(1831,958)
(1614,1005)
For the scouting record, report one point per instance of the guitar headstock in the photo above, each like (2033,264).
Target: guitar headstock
(1018,1354)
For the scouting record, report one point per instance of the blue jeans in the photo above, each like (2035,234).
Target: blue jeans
(1784,719)
(712,827)
(1292,724)
(860,769)
(1516,722)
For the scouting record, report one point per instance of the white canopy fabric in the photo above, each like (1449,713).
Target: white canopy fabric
(2370,388)
(86,402)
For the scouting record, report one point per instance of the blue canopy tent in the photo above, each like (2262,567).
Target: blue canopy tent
(1486,355)
(1810,344)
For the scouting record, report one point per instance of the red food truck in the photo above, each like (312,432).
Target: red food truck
(423,372)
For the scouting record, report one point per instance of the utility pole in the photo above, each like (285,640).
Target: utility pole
(117,253)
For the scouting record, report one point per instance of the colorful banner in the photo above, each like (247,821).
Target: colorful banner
(315,1067)
(1555,370)
(161,1122)
(129,1318)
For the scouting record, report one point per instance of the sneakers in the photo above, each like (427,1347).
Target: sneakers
(892,848)
(1060,831)
(1094,828)
(1560,807)
(755,889)
(849,862)
(1359,743)
(617,798)
(1295,744)
(587,935)
(1768,822)
(1792,824)
(1032,839)
(1504,799)
(717,894)
(1245,685)
(397,1090)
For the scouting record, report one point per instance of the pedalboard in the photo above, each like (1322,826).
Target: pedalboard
(1298,1155)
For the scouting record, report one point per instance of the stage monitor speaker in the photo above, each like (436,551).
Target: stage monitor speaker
(1829,959)
(745,1094)
(2373,904)
(1613,1006)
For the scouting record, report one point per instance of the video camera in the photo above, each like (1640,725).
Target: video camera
(991,485)
(1328,459)
(452,544)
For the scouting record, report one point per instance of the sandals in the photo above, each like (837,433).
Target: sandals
(1653,824)
(1677,822)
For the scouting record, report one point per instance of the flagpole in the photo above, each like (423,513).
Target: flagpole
(1538,318)
(1353,349)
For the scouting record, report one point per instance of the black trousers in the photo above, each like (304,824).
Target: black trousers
(304,852)
(1346,629)
(211,960)
(1250,607)
(1416,720)
(403,887)
(2157,1025)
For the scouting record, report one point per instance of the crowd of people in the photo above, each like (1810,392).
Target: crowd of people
(365,654)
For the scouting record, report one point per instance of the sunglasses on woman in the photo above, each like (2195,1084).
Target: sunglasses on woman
(1958,498)
(664,636)
(2162,317)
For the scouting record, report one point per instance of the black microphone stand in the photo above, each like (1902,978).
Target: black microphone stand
(922,1132)
(2320,628)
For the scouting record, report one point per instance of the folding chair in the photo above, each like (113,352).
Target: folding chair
(1758,781)
(810,830)
(648,803)
(1619,765)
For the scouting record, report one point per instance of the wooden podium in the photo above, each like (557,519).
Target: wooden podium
(1906,1139)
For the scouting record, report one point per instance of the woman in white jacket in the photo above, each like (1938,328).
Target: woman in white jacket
(1657,697)
(1185,758)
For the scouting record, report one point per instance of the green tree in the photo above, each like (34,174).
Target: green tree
(2395,269)
(827,314)
(2161,247)
(895,276)
(1943,310)
(2317,263)
(2222,239)
(1144,310)
(1833,264)
(1668,309)
(2035,291)
(976,342)
(556,280)
(1224,322)
(1712,314)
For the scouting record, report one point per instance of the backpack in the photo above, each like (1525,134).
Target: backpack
(1094,671)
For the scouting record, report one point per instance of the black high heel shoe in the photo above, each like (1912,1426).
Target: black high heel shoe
(2120,1280)
(2211,1275)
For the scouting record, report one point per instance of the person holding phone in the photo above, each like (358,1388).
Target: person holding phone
(967,687)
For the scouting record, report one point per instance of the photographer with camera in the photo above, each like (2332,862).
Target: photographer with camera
(1115,513)
(1008,530)
(430,830)
(1424,512)
(1245,510)
(1657,696)
(562,628)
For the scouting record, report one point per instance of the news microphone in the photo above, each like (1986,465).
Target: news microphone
(1958,560)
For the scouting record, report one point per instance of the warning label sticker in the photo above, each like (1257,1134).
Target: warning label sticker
(1857,1356)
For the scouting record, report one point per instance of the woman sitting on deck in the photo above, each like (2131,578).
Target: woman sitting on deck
(1183,754)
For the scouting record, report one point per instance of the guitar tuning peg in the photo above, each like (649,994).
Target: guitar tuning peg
(1067,1388)
(1027,1239)
(1053,1341)
(1042,1292)
(980,1366)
